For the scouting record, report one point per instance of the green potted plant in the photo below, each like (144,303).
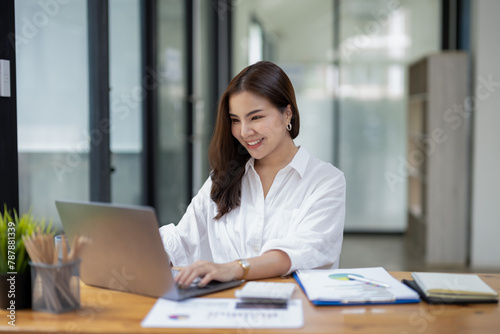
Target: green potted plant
(15,277)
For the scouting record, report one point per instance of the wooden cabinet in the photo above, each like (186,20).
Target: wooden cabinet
(438,159)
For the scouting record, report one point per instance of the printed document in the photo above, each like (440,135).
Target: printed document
(223,313)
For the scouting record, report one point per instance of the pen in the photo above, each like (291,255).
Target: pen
(369,281)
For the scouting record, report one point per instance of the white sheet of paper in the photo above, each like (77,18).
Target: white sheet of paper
(221,313)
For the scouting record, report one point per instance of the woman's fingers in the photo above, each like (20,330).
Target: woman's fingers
(205,280)
(208,271)
(188,274)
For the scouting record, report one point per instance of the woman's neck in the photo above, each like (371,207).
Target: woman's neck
(279,159)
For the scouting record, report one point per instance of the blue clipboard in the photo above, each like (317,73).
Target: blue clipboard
(355,300)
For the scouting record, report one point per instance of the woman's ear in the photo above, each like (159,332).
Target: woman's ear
(288,113)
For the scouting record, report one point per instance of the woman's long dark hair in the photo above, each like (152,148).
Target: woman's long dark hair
(226,155)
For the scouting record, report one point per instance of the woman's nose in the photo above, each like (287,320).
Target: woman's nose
(246,130)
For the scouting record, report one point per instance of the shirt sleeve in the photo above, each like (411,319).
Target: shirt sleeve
(187,241)
(316,230)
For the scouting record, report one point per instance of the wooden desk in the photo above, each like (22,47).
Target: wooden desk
(105,311)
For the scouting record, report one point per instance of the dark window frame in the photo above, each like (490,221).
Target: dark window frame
(99,117)
(9,165)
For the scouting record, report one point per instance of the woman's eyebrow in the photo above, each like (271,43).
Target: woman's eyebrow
(247,115)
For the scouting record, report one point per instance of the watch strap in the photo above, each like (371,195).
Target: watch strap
(246,267)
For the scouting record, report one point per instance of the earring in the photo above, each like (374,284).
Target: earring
(289,127)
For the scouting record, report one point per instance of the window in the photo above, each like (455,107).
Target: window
(172,170)
(126,96)
(52,88)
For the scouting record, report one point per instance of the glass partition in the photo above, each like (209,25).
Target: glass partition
(52,88)
(126,97)
(378,39)
(205,103)
(172,168)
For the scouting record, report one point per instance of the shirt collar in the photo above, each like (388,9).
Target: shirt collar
(299,162)
(249,164)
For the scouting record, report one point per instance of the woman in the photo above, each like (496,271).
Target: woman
(268,207)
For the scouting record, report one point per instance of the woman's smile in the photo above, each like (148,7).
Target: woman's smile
(254,144)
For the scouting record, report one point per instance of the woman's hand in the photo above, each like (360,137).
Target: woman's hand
(223,272)
(270,264)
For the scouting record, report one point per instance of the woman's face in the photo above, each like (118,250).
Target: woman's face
(258,125)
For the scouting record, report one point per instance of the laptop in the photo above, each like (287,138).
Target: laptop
(126,252)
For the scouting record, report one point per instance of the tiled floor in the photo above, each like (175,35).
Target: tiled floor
(388,251)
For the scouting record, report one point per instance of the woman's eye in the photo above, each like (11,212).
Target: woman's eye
(234,120)
(256,117)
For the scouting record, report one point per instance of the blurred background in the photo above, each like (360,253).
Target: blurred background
(169,61)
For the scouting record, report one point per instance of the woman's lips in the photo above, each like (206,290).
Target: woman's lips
(254,143)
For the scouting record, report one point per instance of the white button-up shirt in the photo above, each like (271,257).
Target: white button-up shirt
(302,215)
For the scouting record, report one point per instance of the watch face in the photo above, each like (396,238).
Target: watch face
(245,264)
(246,267)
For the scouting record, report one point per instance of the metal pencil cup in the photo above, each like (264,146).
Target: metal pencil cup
(55,287)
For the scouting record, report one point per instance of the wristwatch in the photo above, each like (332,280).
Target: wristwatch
(246,267)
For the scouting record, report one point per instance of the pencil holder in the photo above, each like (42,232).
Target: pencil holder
(55,287)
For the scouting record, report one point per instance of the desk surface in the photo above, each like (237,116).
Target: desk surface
(106,311)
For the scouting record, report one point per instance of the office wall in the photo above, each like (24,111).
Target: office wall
(485,245)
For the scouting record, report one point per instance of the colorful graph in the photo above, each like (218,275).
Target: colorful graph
(342,276)
(178,317)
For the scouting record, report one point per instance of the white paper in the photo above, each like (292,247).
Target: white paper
(221,313)
(329,285)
